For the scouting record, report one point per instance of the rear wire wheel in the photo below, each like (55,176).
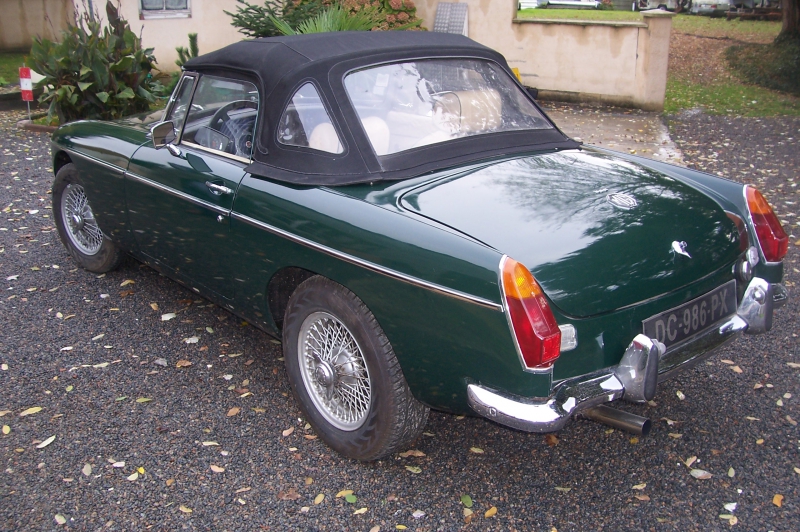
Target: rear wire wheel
(345,375)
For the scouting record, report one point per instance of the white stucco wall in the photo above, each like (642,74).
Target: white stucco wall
(22,20)
(623,63)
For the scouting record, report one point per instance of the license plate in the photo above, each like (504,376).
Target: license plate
(674,326)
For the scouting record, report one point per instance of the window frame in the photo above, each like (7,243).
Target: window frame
(145,14)
(325,107)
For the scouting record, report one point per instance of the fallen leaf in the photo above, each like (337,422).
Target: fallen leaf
(731,472)
(46,442)
(791,421)
(641,486)
(668,421)
(288,432)
(350,498)
(118,464)
(758,386)
(183,364)
(185,509)
(309,481)
(144,399)
(725,361)
(634,440)
(60,519)
(170,482)
(777,500)
(476,450)
(360,511)
(675,435)
(100,365)
(233,411)
(751,418)
(126,282)
(87,470)
(310,436)
(68,348)
(209,330)
(700,474)
(400,527)
(99,336)
(563,490)
(126,293)
(412,452)
(191,340)
(466,500)
(642,497)
(467,512)
(289,495)
(689,461)
(6,429)
(29,411)
(551,440)
(794,365)
(217,469)
(210,444)
(344,493)
(154,306)
(418,514)
(490,512)
(736,369)
(376,528)
(797,470)
(680,395)
(166,317)
(731,506)
(133,476)
(319,498)
(760,441)
(414,469)
(69,388)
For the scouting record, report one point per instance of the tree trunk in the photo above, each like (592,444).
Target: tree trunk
(791,19)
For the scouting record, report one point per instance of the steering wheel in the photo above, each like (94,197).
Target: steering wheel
(221,116)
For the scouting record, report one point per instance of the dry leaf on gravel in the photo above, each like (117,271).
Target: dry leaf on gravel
(777,500)
(412,452)
(288,432)
(490,512)
(29,411)
(689,461)
(476,450)
(344,493)
(87,470)
(700,474)
(191,340)
(551,440)
(642,497)
(414,469)
(46,442)
(170,482)
(360,511)
(144,399)
(217,469)
(289,495)
(60,519)
(6,429)
(183,364)
(641,486)
(233,411)
(185,509)
(133,476)
(126,282)
(210,444)
(319,498)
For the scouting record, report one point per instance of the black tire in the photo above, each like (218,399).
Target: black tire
(76,225)
(365,411)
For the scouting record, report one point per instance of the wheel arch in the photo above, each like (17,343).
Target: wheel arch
(60,159)
(280,288)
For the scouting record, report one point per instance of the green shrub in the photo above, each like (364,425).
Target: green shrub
(392,14)
(335,18)
(96,72)
(184,54)
(258,21)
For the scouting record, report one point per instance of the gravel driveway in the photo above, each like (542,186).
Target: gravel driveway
(142,444)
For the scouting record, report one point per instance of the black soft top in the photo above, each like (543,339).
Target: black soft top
(280,65)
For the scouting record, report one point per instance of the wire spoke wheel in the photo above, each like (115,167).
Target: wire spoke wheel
(78,219)
(334,371)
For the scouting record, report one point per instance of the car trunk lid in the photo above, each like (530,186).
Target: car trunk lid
(599,233)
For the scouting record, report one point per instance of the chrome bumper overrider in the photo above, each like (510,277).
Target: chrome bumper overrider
(636,376)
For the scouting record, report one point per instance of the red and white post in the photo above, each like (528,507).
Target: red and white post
(26,87)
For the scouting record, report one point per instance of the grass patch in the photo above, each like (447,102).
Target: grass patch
(579,14)
(729,99)
(775,65)
(43,121)
(9,67)
(742,30)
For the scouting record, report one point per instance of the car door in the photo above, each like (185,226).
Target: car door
(180,198)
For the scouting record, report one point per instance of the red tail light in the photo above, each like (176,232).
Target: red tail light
(771,236)
(538,335)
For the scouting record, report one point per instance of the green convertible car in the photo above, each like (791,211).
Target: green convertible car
(397,209)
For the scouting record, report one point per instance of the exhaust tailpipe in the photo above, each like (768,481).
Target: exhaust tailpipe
(619,419)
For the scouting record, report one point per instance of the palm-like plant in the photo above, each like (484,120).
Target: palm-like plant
(334,18)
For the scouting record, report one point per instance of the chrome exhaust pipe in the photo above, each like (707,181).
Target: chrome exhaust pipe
(619,419)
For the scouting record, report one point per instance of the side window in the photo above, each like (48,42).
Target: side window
(306,123)
(181,104)
(222,116)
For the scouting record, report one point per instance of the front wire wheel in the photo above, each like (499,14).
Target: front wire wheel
(344,373)
(77,226)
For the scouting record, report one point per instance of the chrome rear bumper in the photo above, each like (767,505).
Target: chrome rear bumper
(634,379)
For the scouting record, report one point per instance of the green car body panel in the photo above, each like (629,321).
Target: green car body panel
(429,275)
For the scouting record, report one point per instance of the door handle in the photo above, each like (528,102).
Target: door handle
(218,189)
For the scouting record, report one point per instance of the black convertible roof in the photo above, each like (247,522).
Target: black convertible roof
(280,65)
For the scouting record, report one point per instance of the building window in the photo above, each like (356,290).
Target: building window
(164,9)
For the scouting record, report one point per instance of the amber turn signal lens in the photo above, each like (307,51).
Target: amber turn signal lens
(532,321)
(771,236)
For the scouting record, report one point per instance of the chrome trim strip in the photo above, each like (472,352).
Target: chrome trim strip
(215,152)
(177,193)
(110,166)
(394,274)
